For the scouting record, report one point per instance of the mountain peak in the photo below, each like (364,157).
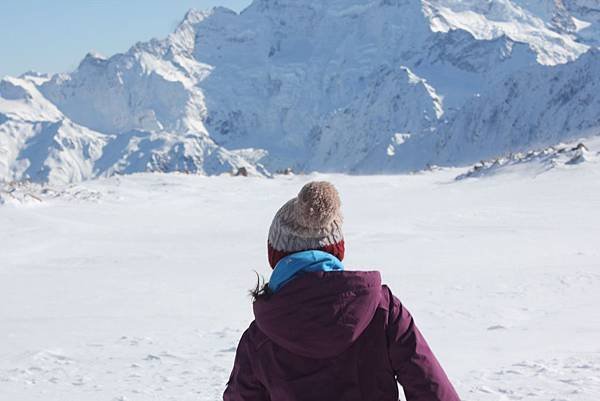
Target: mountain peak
(93,59)
(343,86)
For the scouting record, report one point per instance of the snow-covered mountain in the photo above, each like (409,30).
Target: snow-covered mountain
(341,85)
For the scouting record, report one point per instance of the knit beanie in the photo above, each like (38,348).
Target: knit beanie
(310,221)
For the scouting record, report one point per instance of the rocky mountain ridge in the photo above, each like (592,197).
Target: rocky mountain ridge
(386,86)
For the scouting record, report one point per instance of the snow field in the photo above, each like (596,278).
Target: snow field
(141,293)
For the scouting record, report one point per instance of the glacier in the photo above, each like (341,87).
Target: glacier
(386,86)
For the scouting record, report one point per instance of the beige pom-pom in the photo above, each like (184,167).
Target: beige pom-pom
(318,204)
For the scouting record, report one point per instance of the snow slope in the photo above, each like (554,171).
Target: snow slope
(316,86)
(538,107)
(108,290)
(39,143)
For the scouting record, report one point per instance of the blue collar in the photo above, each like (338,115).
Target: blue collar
(306,261)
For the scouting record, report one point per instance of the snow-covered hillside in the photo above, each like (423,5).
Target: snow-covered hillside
(339,86)
(39,143)
(127,288)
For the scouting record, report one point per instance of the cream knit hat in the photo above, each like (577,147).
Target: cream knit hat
(312,220)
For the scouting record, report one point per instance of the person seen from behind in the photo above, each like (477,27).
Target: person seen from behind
(323,333)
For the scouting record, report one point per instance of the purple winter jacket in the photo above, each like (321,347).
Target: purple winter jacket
(335,336)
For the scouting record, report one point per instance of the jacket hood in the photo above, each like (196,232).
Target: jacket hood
(320,314)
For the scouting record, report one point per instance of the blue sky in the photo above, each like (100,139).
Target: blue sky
(54,35)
